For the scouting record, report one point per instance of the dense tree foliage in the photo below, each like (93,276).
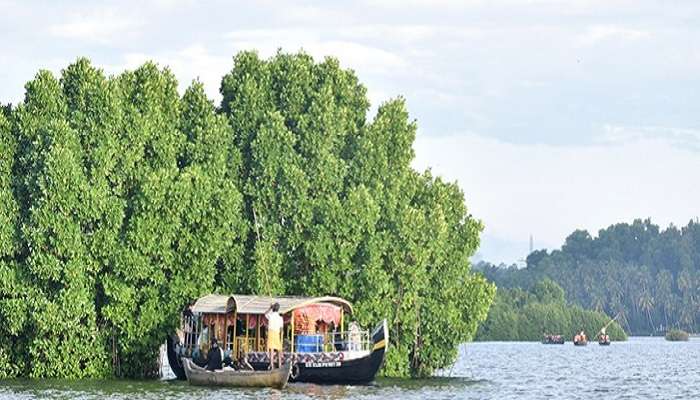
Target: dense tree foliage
(650,276)
(121,201)
(519,315)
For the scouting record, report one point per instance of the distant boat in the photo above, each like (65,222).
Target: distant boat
(553,339)
(603,337)
(580,339)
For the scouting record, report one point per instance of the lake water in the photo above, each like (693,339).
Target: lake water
(641,368)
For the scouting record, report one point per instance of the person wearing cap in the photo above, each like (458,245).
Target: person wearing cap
(274,334)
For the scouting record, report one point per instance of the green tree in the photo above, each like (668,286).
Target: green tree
(518,315)
(13,310)
(644,274)
(121,201)
(335,207)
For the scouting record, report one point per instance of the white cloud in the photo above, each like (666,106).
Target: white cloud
(599,33)
(352,54)
(548,191)
(192,62)
(683,138)
(101,26)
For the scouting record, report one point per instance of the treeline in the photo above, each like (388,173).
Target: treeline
(519,315)
(648,275)
(121,201)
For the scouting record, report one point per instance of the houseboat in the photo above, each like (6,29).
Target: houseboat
(319,339)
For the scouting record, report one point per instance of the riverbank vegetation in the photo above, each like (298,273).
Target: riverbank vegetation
(677,335)
(519,315)
(121,201)
(648,275)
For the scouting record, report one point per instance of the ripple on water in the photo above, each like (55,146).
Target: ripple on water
(639,368)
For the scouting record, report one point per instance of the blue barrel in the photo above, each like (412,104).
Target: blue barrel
(308,343)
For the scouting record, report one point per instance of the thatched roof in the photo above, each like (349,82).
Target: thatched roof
(248,304)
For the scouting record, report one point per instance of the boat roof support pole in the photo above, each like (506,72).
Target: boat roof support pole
(247,324)
(257,334)
(235,326)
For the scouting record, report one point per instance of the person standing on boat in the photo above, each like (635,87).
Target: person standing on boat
(354,336)
(274,334)
(215,356)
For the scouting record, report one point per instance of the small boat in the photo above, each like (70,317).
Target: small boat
(581,343)
(275,378)
(580,339)
(553,339)
(603,337)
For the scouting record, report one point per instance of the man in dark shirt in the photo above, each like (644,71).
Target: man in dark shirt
(215,356)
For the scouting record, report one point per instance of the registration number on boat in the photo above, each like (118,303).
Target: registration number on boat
(323,364)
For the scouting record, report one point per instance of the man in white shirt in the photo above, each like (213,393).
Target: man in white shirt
(274,333)
(354,336)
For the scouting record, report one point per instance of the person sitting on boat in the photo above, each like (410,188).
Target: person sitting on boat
(581,337)
(274,333)
(215,356)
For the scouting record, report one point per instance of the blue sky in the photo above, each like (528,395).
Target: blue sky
(551,115)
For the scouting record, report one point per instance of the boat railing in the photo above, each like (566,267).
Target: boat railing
(195,338)
(331,342)
(245,345)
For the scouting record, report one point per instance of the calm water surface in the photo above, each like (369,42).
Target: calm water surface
(641,368)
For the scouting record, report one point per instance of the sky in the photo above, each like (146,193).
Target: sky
(551,115)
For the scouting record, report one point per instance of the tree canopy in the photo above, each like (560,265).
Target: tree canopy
(648,275)
(122,200)
(519,315)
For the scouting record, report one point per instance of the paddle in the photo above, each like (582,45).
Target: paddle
(597,335)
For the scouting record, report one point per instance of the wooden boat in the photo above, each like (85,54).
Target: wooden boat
(603,337)
(553,339)
(276,378)
(331,356)
(580,339)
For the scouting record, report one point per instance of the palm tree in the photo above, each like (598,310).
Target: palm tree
(646,304)
(664,287)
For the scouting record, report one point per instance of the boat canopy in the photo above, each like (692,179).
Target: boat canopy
(249,304)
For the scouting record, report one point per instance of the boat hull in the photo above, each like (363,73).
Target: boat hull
(553,341)
(358,371)
(580,343)
(276,378)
